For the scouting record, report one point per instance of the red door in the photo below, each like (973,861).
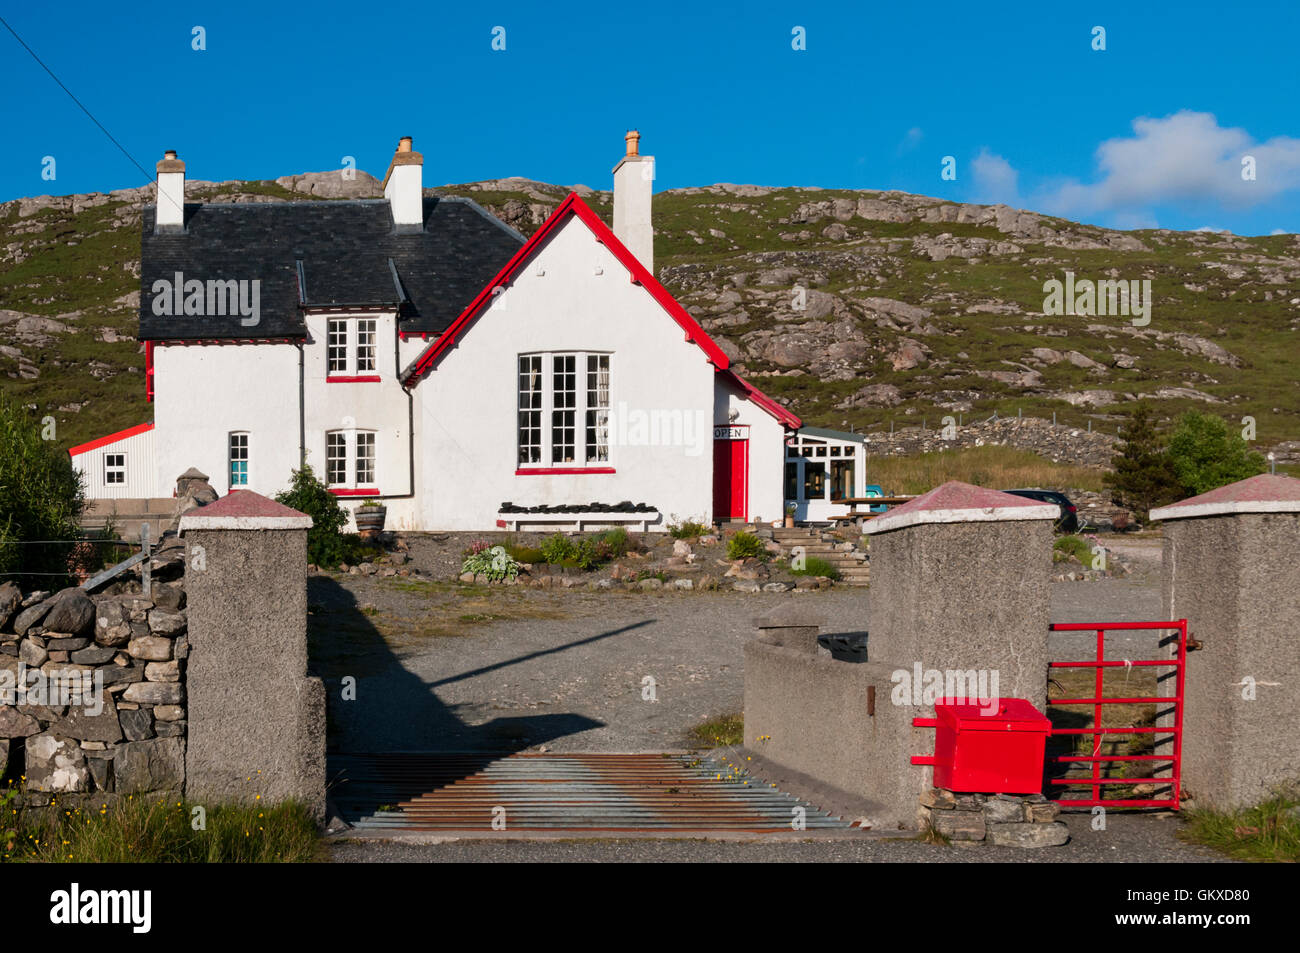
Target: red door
(730,479)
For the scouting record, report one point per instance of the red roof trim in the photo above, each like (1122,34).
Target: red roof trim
(573,204)
(783,415)
(111,438)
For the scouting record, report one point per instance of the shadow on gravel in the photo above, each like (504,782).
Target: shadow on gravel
(385,709)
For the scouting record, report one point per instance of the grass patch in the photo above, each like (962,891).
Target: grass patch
(1001,468)
(816,566)
(728,730)
(688,529)
(1266,832)
(158,831)
(1077,547)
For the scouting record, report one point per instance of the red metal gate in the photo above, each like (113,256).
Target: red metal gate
(1174,761)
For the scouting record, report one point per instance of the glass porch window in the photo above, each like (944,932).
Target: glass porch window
(814,480)
(841,479)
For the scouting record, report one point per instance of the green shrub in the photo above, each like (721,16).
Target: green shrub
(559,549)
(688,529)
(816,566)
(495,563)
(1206,453)
(326,546)
(526,554)
(41,496)
(746,545)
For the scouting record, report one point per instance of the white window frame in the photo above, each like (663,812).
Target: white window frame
(591,457)
(247,458)
(352,438)
(356,362)
(111,469)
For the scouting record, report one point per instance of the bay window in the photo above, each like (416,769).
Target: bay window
(562,416)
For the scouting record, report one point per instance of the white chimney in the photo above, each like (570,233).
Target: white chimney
(634,178)
(170,212)
(404,185)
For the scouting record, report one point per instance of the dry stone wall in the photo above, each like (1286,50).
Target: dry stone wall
(92,687)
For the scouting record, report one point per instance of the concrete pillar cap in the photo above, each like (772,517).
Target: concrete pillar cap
(1266,493)
(957,502)
(244,509)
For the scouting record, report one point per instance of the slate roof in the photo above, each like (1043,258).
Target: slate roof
(345,248)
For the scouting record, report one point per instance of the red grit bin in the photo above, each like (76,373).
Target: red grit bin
(986,746)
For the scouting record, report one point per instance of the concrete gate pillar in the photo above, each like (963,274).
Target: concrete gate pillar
(1231,569)
(960,581)
(253,711)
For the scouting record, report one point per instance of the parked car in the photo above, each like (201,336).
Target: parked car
(1069,519)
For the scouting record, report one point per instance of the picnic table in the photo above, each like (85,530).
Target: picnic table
(856,515)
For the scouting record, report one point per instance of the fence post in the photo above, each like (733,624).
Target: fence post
(254,713)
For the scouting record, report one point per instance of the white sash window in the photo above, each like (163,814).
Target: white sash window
(562,417)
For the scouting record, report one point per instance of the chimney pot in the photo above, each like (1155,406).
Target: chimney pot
(404,185)
(633,182)
(169,210)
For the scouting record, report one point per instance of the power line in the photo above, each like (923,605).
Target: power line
(80,106)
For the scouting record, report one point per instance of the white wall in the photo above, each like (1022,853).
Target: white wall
(203,392)
(141,475)
(468,402)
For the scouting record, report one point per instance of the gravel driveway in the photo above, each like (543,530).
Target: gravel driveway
(570,670)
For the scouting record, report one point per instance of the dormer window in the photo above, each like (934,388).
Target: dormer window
(352,349)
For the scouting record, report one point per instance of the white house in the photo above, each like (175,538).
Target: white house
(417,350)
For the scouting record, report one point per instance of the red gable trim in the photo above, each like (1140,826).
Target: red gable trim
(572,205)
(111,438)
(760,399)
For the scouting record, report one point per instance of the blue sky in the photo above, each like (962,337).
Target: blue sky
(1149,132)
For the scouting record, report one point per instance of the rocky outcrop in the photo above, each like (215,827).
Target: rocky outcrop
(339,184)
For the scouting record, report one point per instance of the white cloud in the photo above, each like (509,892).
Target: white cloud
(1186,157)
(996,180)
(911,140)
